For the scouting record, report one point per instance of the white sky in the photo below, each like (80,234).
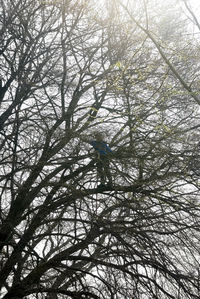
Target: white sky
(195,4)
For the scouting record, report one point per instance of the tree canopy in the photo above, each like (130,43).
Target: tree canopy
(128,70)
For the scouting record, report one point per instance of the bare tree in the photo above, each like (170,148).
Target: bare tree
(70,69)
